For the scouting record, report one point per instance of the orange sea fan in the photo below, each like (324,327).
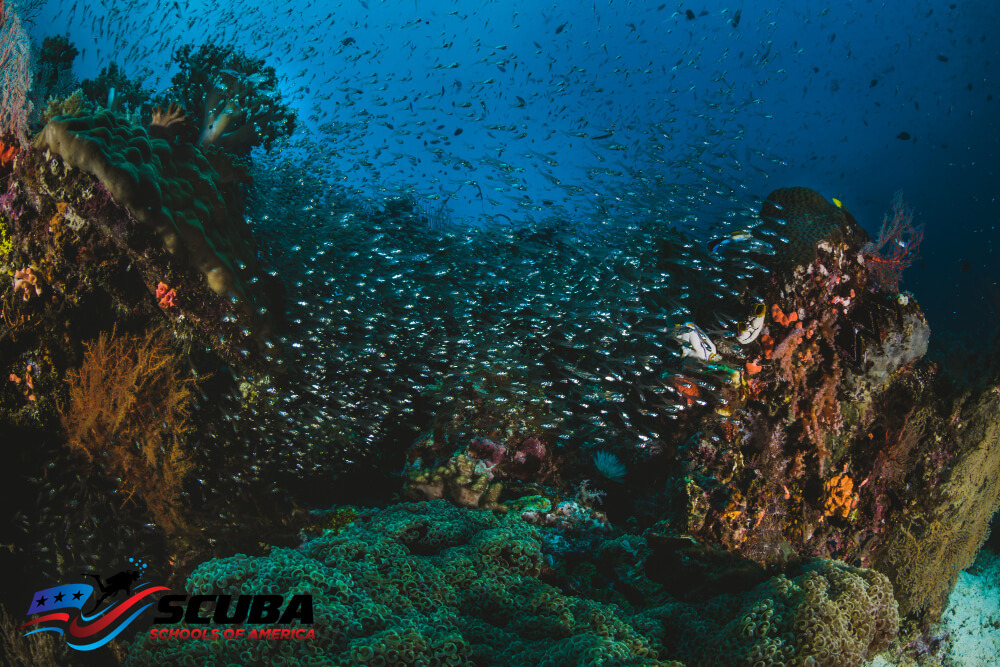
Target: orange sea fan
(129,404)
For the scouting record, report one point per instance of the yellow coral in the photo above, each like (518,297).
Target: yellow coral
(6,245)
(65,106)
(840,499)
(735,507)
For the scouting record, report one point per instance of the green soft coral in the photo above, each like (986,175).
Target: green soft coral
(417,583)
(432,583)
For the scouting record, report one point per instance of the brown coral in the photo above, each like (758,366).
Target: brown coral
(463,479)
(924,556)
(830,614)
(167,123)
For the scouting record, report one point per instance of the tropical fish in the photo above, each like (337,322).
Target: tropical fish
(750,328)
(735,237)
(695,342)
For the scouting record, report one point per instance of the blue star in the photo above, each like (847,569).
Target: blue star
(41,601)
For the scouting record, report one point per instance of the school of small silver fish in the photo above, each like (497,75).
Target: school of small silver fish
(393,318)
(523,109)
(551,153)
(490,111)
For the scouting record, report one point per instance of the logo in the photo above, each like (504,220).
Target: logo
(62,608)
(89,616)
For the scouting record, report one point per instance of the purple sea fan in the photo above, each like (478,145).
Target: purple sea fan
(609,466)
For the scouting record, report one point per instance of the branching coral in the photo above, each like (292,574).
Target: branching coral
(70,104)
(114,91)
(54,69)
(166,123)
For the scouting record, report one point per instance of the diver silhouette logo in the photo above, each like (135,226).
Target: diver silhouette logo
(114,585)
(117,601)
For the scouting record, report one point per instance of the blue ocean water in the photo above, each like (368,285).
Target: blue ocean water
(492,111)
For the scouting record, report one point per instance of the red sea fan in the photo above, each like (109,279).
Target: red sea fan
(896,247)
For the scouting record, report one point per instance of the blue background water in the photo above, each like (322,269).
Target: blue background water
(612,107)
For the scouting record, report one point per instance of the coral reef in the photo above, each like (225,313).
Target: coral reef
(424,581)
(815,437)
(463,479)
(830,614)
(113,91)
(430,581)
(172,192)
(165,209)
(924,553)
(128,454)
(839,441)
(628,448)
